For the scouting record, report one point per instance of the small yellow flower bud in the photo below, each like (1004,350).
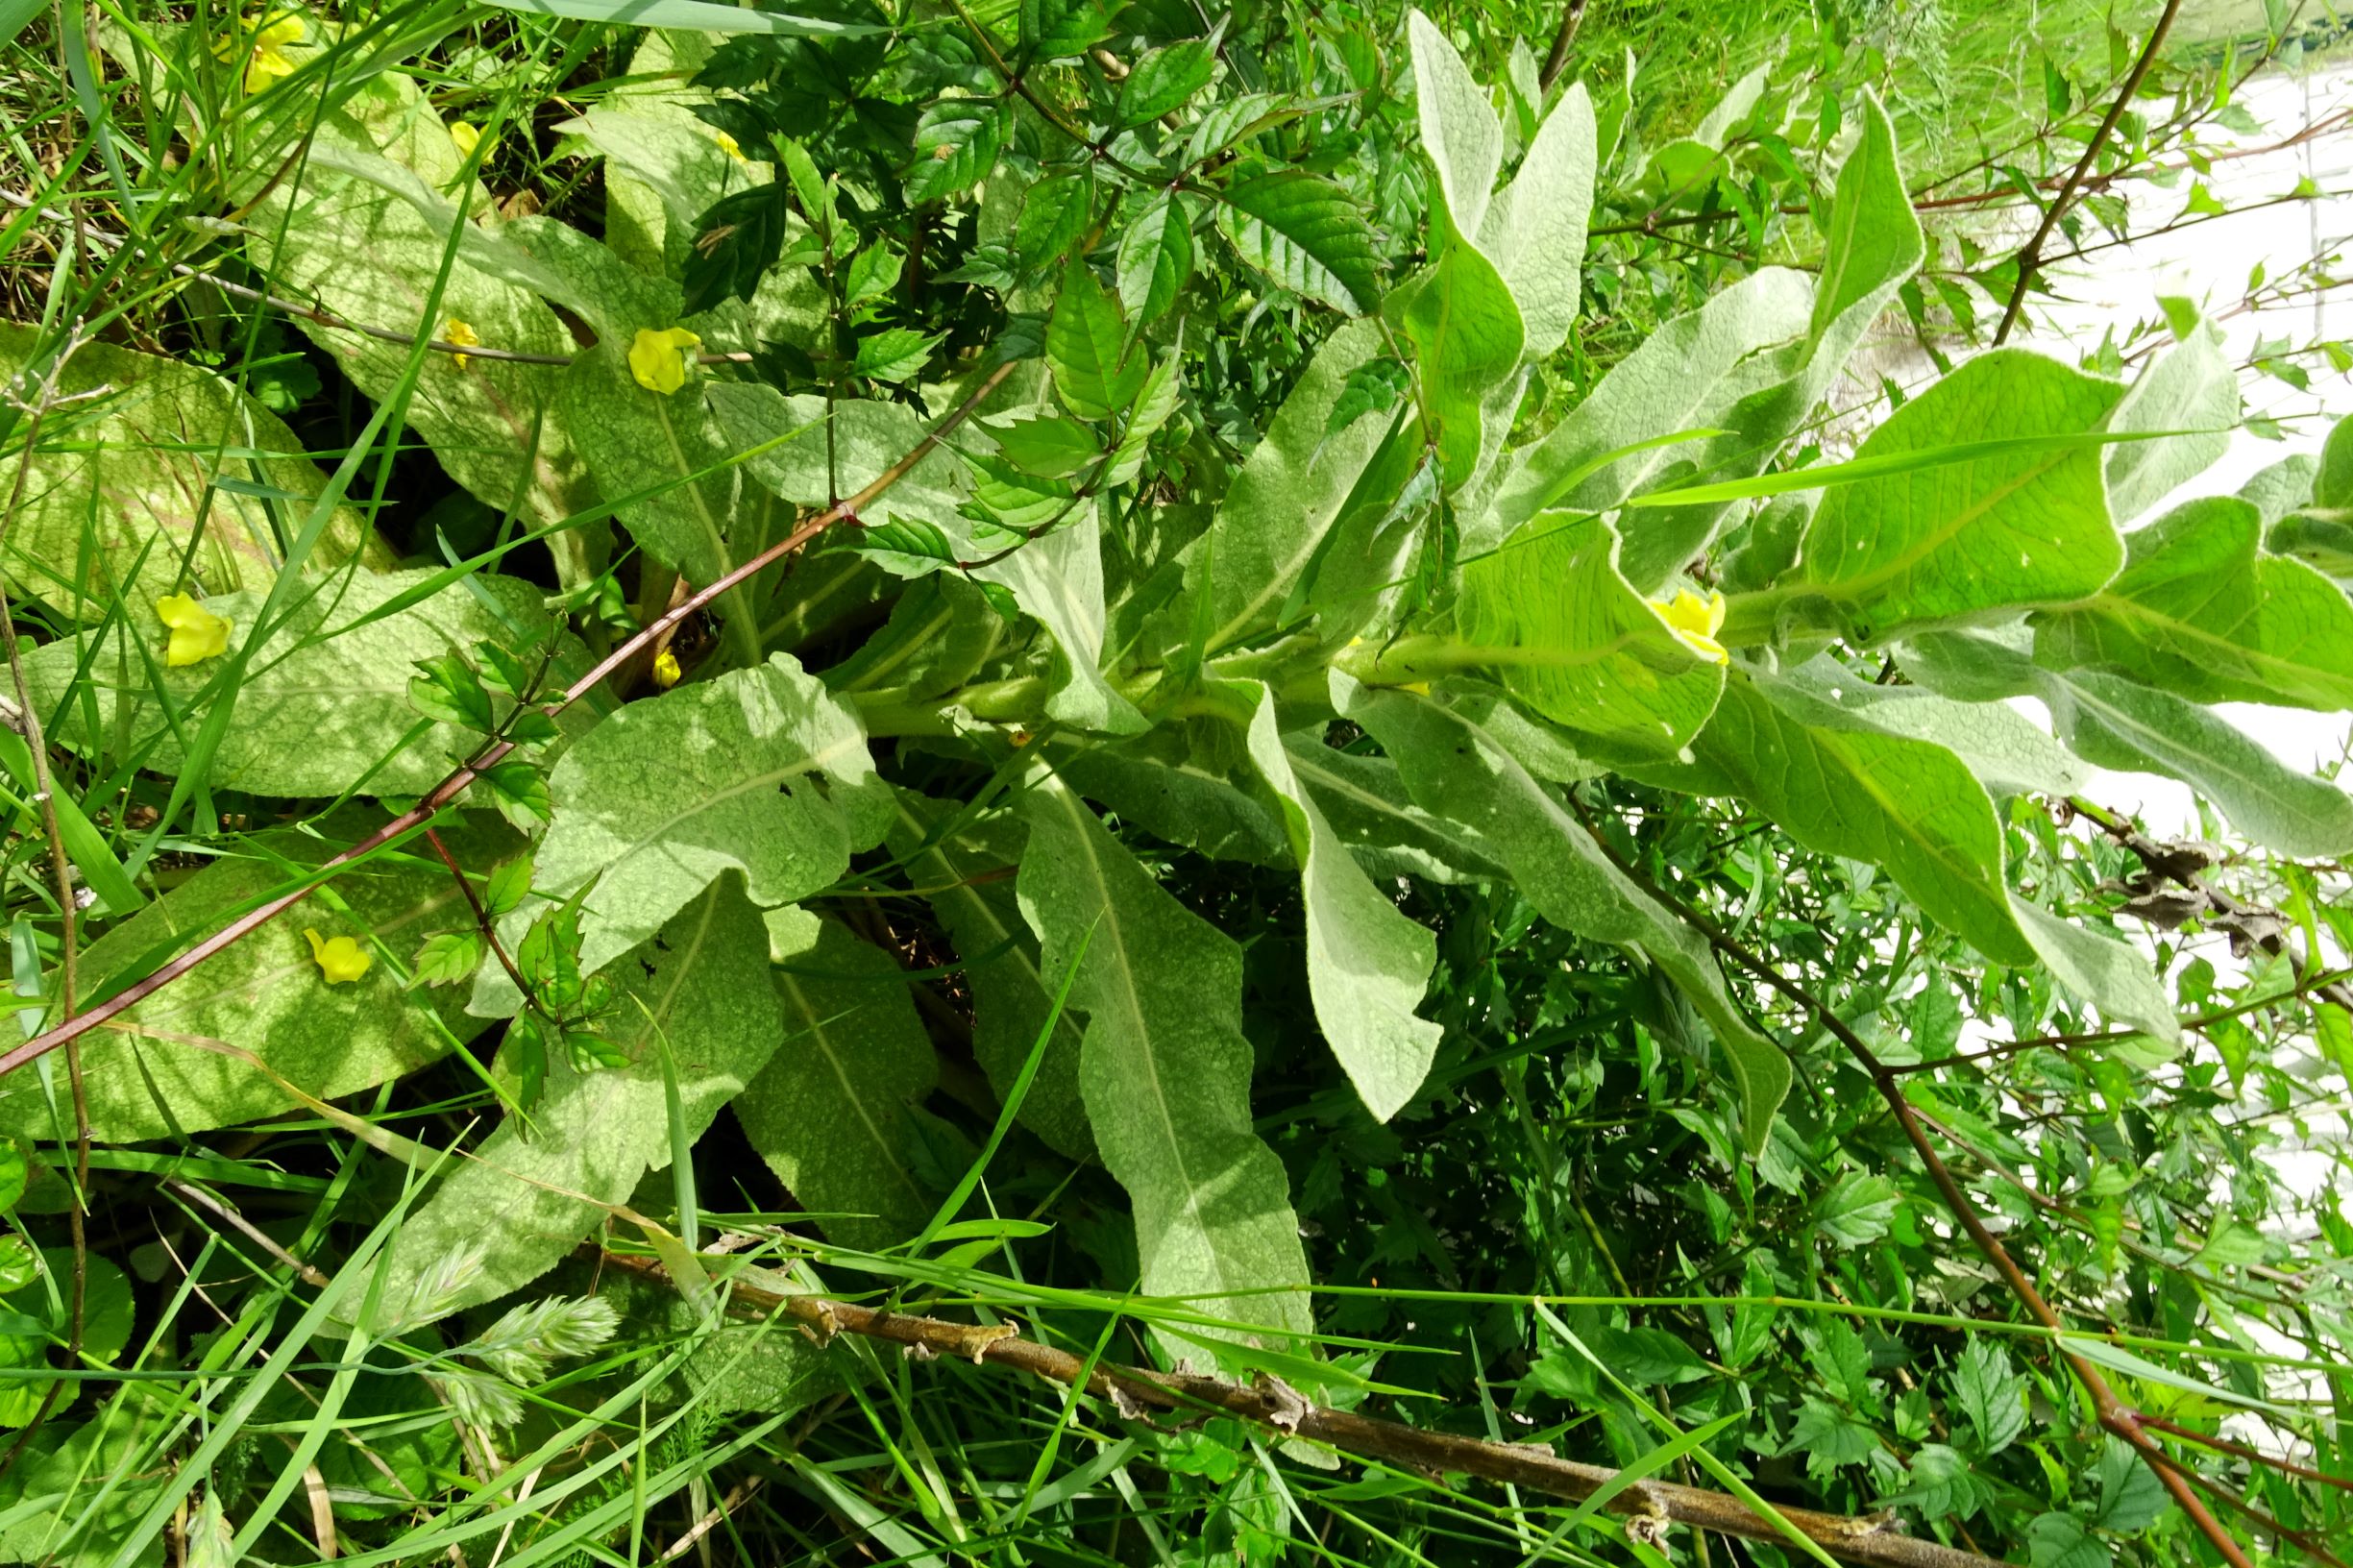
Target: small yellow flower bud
(467,137)
(1695,623)
(340,959)
(728,145)
(456,332)
(658,360)
(197,633)
(665,669)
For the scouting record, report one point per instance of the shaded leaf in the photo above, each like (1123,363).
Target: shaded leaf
(1460,772)
(833,1111)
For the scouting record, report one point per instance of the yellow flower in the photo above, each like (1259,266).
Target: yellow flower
(1695,622)
(339,958)
(459,332)
(728,145)
(267,39)
(665,669)
(467,137)
(658,360)
(197,633)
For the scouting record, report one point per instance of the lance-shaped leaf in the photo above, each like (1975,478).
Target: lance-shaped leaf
(955,147)
(322,708)
(2201,611)
(1185,782)
(1466,335)
(1872,246)
(1305,233)
(2113,722)
(1166,1072)
(1604,449)
(1571,639)
(834,1111)
(1842,786)
(761,771)
(698,995)
(1459,128)
(1368,964)
(1535,230)
(1156,257)
(2009,753)
(2190,388)
(2110,974)
(1087,348)
(1368,808)
(1953,542)
(968,871)
(1280,507)
(1458,771)
(176,466)
(153,1075)
(367,253)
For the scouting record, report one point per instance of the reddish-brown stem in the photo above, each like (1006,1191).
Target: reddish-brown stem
(2112,1413)
(481,916)
(2030,257)
(2253,1456)
(447,791)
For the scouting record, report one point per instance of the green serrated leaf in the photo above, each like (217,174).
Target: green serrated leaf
(1306,234)
(1165,79)
(1046,445)
(447,958)
(1156,258)
(896,355)
(1086,350)
(956,145)
(447,691)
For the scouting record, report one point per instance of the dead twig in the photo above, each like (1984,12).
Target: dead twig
(1874,1542)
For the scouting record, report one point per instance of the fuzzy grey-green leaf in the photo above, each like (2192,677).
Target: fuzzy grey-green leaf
(1166,1074)
(761,771)
(265,994)
(697,990)
(324,707)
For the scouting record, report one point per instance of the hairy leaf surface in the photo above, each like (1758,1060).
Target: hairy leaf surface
(1166,1072)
